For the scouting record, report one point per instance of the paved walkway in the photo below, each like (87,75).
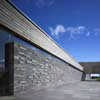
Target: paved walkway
(76,91)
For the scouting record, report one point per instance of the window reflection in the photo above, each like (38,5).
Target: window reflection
(5,37)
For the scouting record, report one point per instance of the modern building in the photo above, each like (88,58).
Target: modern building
(91,69)
(33,61)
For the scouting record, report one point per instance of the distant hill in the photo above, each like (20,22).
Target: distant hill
(91,67)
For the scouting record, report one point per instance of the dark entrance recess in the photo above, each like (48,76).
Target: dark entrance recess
(9,68)
(7,77)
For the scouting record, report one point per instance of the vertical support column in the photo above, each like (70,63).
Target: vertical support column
(9,68)
(83,76)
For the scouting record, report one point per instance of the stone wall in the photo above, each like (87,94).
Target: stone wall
(35,69)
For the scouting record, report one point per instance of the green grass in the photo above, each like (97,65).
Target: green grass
(98,79)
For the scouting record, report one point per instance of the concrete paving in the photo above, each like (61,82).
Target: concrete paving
(75,91)
(8,98)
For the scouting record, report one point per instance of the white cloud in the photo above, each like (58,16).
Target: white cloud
(96,31)
(74,32)
(88,34)
(44,3)
(77,31)
(58,30)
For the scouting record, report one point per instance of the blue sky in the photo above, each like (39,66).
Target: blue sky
(73,24)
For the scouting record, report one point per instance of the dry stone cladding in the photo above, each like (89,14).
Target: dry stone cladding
(35,69)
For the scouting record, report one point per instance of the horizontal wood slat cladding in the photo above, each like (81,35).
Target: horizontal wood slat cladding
(17,22)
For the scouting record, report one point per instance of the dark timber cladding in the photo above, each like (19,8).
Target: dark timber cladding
(22,26)
(9,69)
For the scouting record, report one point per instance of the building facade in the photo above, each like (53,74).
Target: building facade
(31,60)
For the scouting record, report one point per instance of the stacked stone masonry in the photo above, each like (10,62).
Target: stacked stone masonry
(35,69)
